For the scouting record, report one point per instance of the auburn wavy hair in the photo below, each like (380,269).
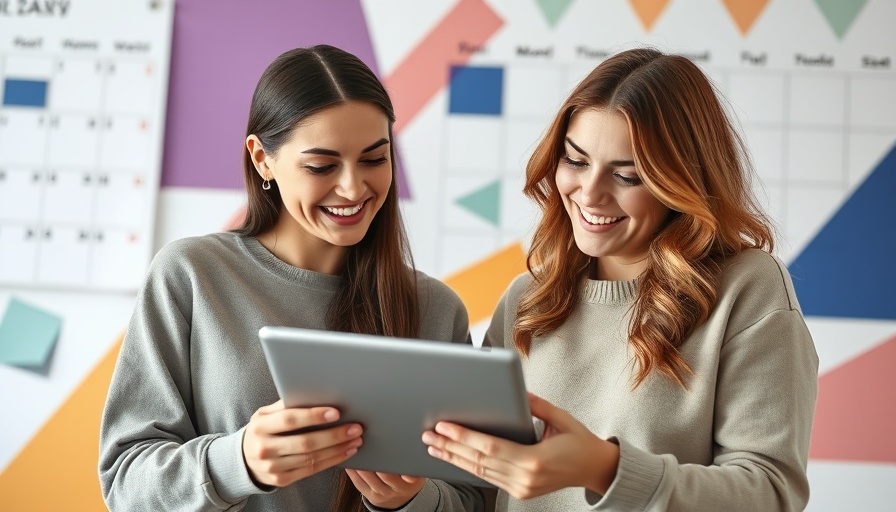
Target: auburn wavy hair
(378,292)
(690,156)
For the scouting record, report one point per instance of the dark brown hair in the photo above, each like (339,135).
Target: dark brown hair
(378,292)
(689,155)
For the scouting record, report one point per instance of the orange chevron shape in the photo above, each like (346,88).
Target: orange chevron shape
(648,11)
(745,12)
(481,285)
(57,469)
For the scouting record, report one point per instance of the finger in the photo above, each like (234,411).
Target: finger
(413,480)
(270,408)
(318,440)
(270,447)
(313,459)
(489,446)
(287,420)
(275,419)
(373,482)
(468,458)
(311,467)
(398,482)
(539,407)
(553,416)
(358,481)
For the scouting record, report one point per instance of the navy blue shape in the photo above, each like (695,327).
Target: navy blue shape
(476,90)
(25,93)
(849,269)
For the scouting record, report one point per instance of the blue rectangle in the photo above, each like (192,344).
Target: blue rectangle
(476,90)
(24,93)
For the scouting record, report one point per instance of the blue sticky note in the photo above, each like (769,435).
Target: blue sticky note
(476,90)
(27,335)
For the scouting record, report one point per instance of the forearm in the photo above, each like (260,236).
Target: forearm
(744,482)
(162,475)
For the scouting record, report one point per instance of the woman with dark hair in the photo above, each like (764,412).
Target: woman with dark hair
(664,346)
(192,420)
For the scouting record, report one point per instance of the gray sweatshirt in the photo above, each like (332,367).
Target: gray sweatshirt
(191,372)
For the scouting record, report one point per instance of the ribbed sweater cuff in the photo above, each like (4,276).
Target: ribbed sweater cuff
(228,470)
(637,478)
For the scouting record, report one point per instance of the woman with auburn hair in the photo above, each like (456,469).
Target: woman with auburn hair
(663,344)
(192,420)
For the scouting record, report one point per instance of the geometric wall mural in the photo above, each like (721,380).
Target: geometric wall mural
(849,269)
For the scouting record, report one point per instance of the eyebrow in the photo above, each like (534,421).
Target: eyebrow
(330,152)
(613,163)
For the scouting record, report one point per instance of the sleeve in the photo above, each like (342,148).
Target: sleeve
(151,456)
(765,396)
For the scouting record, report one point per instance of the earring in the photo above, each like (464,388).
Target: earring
(266,185)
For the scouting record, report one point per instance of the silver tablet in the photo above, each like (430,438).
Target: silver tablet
(397,388)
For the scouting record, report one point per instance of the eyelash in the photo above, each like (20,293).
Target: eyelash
(374,162)
(575,164)
(627,180)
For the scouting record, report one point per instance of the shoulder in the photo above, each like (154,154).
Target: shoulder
(430,289)
(518,287)
(754,271)
(190,254)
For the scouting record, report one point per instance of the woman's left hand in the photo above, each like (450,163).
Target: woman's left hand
(386,490)
(569,455)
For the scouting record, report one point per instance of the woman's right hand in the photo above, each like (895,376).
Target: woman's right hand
(277,458)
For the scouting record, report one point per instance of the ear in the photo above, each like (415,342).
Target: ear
(259,157)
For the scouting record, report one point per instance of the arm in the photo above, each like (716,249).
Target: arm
(150,453)
(765,402)
(155,453)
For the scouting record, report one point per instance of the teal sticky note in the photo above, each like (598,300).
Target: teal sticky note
(27,335)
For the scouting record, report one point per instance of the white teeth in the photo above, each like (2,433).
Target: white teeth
(344,212)
(594,219)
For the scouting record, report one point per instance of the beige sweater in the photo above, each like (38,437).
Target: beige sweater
(738,439)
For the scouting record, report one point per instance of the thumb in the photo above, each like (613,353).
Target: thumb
(271,408)
(552,415)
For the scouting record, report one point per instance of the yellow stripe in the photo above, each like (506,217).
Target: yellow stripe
(481,285)
(57,469)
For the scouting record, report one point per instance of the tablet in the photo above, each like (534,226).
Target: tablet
(397,388)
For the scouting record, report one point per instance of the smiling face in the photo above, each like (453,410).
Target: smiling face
(614,216)
(333,175)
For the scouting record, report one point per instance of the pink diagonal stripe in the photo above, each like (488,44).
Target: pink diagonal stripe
(425,70)
(855,416)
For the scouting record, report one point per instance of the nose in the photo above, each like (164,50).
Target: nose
(350,184)
(595,191)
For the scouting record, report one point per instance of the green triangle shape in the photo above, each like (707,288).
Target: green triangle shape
(484,202)
(553,9)
(840,13)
